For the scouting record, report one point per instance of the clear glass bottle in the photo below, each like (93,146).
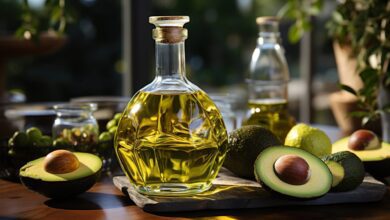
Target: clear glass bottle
(75,127)
(171,139)
(223,103)
(268,80)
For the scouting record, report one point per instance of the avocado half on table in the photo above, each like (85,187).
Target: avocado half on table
(292,172)
(61,173)
(366,145)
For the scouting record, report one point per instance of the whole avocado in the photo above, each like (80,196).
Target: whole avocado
(353,170)
(245,144)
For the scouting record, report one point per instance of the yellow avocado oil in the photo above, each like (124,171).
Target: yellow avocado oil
(171,139)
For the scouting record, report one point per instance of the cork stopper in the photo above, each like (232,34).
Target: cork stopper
(169,29)
(267,20)
(268,26)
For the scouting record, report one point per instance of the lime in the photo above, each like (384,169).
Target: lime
(310,139)
(34,134)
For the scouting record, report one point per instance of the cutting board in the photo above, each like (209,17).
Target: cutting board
(230,192)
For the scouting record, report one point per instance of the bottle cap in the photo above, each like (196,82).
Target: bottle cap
(169,21)
(267,20)
(169,29)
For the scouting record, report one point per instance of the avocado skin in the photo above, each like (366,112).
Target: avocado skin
(61,189)
(378,169)
(244,145)
(281,195)
(353,170)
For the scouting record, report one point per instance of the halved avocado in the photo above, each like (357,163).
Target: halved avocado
(376,161)
(318,182)
(34,176)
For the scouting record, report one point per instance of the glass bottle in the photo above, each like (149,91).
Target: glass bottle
(171,138)
(76,127)
(267,81)
(223,103)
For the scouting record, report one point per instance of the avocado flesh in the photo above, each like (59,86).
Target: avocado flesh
(381,153)
(319,183)
(34,177)
(245,144)
(337,172)
(353,170)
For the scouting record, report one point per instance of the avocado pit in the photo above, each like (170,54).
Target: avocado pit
(292,169)
(363,140)
(60,162)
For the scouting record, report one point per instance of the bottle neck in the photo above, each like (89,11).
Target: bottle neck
(170,60)
(269,33)
(268,38)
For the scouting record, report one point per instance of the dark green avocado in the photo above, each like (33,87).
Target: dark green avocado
(245,144)
(352,170)
(36,178)
(316,182)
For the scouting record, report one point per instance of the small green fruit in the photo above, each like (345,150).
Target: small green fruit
(34,134)
(105,136)
(45,141)
(117,117)
(113,130)
(60,143)
(111,124)
(19,139)
(310,139)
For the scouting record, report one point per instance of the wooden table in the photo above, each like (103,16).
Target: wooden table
(104,201)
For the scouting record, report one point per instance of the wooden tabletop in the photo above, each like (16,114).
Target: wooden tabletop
(104,201)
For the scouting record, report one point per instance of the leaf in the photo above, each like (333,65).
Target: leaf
(386,108)
(337,17)
(316,7)
(56,15)
(348,89)
(286,10)
(359,114)
(368,74)
(294,34)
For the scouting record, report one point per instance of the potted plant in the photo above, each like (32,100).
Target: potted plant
(362,29)
(40,32)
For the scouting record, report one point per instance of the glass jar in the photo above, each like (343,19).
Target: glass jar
(75,127)
(171,139)
(268,80)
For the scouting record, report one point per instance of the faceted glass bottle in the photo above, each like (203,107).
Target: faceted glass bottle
(171,139)
(267,81)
